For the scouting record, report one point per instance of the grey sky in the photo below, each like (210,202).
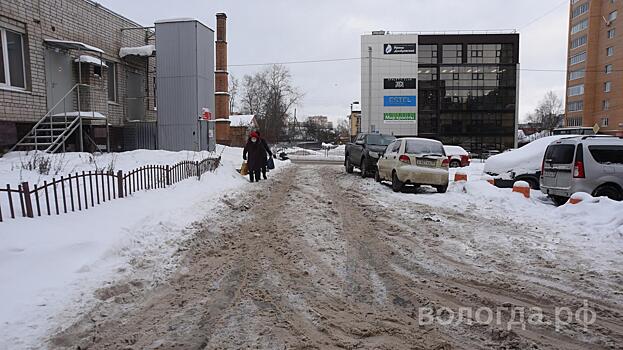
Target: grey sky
(282,30)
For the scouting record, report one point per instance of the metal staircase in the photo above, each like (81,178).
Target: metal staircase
(52,131)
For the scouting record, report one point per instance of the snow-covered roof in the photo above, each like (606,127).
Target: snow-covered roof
(242,120)
(221,93)
(356,107)
(180,19)
(91,60)
(73,45)
(143,51)
(454,150)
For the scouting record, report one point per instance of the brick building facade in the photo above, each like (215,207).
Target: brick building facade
(595,58)
(122,89)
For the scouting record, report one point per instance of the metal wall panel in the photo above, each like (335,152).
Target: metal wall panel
(185,80)
(140,135)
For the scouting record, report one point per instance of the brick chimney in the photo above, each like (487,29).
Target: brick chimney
(221,76)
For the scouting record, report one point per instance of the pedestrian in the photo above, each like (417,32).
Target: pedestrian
(270,154)
(255,154)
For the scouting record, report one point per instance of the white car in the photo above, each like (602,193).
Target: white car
(457,156)
(414,161)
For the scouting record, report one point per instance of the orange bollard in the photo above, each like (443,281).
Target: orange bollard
(491,181)
(460,177)
(573,200)
(522,187)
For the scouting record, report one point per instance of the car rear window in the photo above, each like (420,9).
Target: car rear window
(559,154)
(381,140)
(424,147)
(607,154)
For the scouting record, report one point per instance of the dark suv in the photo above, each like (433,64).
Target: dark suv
(591,164)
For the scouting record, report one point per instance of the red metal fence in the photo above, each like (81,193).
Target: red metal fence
(81,191)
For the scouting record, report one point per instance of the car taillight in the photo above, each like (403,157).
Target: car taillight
(445,163)
(542,166)
(405,159)
(578,169)
(578,166)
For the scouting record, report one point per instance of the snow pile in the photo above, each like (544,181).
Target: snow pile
(600,216)
(138,235)
(524,160)
(143,51)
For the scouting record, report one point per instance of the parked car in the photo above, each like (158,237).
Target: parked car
(414,161)
(591,164)
(457,156)
(365,152)
(521,164)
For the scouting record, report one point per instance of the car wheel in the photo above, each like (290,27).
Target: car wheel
(397,185)
(455,164)
(364,168)
(377,176)
(442,189)
(558,200)
(609,191)
(349,167)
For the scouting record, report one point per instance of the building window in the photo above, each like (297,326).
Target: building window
(605,105)
(580,26)
(604,121)
(452,54)
(112,81)
(611,33)
(12,70)
(612,16)
(478,76)
(577,42)
(582,9)
(576,74)
(608,68)
(575,59)
(575,106)
(610,51)
(575,121)
(607,86)
(573,2)
(576,90)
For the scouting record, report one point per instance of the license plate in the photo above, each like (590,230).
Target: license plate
(549,173)
(426,162)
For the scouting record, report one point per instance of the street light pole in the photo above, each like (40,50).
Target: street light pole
(369,88)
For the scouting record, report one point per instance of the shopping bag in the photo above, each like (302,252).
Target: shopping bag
(271,163)
(244,169)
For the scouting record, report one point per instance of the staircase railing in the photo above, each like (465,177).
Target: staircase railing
(48,114)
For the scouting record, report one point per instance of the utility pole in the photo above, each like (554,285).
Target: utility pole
(369,88)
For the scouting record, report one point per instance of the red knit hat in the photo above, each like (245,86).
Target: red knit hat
(253,134)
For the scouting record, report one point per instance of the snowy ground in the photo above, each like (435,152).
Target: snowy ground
(51,266)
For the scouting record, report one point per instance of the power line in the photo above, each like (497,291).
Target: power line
(329,60)
(543,15)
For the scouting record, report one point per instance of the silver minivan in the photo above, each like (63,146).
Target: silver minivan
(591,164)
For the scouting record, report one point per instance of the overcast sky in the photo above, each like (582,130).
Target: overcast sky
(285,30)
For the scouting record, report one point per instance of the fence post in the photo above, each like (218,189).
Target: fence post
(168,176)
(27,200)
(120,193)
(198,173)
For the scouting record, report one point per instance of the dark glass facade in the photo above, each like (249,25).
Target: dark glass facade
(467,89)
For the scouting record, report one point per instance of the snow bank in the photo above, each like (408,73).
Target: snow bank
(53,264)
(524,160)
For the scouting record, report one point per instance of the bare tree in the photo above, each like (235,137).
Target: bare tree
(270,95)
(549,112)
(233,93)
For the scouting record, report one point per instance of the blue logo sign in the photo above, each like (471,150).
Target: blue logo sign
(399,101)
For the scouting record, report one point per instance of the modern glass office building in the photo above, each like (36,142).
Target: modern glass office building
(467,88)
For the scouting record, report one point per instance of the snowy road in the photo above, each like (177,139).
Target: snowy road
(311,259)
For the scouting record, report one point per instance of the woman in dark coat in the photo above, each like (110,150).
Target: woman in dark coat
(255,154)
